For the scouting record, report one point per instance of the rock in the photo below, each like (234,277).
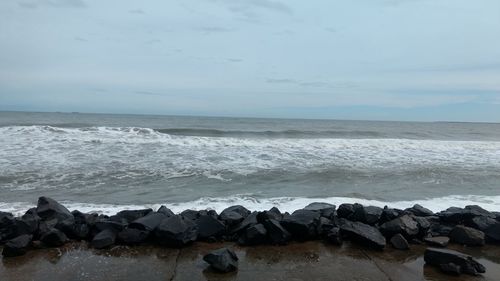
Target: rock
(27,224)
(389,214)
(47,209)
(345,210)
(423,224)
(438,229)
(399,242)
(247,222)
(17,246)
(149,222)
(302,224)
(54,238)
(333,236)
(439,241)
(234,215)
(272,214)
(467,236)
(166,211)
(277,234)
(176,231)
(323,226)
(404,225)
(244,212)
(222,260)
(451,215)
(131,236)
(190,214)
(254,235)
(209,226)
(104,239)
(132,215)
(488,225)
(106,224)
(467,264)
(326,210)
(420,211)
(5,215)
(450,268)
(369,215)
(362,233)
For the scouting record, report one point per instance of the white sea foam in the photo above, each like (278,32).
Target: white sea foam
(285,204)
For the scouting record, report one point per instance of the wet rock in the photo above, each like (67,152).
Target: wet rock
(404,225)
(467,236)
(326,210)
(234,215)
(104,239)
(451,215)
(323,226)
(254,235)
(247,222)
(467,264)
(420,211)
(222,260)
(176,231)
(333,236)
(277,234)
(450,268)
(302,224)
(438,229)
(363,233)
(369,215)
(132,215)
(438,241)
(27,224)
(17,246)
(166,211)
(345,211)
(131,236)
(389,214)
(107,224)
(488,225)
(271,214)
(209,227)
(54,238)
(149,222)
(399,242)
(48,208)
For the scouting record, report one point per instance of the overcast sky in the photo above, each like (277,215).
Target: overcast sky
(345,59)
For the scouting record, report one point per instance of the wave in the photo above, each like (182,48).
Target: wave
(285,204)
(272,134)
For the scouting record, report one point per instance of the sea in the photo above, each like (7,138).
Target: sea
(105,162)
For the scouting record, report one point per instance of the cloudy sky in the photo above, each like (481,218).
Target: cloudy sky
(345,59)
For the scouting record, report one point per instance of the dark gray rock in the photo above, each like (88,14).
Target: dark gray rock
(104,239)
(369,215)
(17,246)
(222,260)
(190,214)
(345,211)
(324,226)
(234,215)
(209,227)
(132,215)
(132,236)
(247,222)
(467,264)
(438,229)
(450,268)
(399,242)
(166,211)
(363,233)
(389,214)
(148,222)
(404,225)
(176,231)
(48,208)
(272,214)
(302,224)
(254,235)
(333,236)
(326,210)
(467,236)
(420,211)
(277,234)
(438,241)
(54,238)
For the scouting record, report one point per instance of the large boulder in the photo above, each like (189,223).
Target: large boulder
(467,236)
(234,215)
(438,241)
(404,225)
(247,222)
(17,246)
(166,211)
(388,214)
(209,227)
(132,236)
(345,210)
(334,236)
(420,211)
(222,260)
(132,215)
(363,233)
(54,238)
(148,222)
(254,235)
(488,225)
(369,215)
(48,208)
(399,242)
(104,239)
(277,234)
(326,210)
(467,264)
(176,231)
(302,224)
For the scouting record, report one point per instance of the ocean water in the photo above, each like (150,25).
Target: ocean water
(99,162)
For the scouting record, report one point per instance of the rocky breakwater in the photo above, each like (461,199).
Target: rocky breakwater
(50,224)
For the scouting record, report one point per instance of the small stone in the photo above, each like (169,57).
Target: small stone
(222,260)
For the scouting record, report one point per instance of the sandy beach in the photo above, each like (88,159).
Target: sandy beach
(296,261)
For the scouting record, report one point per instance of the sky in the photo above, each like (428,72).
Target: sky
(423,60)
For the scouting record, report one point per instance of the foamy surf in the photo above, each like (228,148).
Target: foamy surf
(285,204)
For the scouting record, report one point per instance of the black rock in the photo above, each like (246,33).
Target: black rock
(333,236)
(176,231)
(467,264)
(326,210)
(27,224)
(104,239)
(5,215)
(107,224)
(389,214)
(324,226)
(48,208)
(149,222)
(423,224)
(231,218)
(439,229)
(277,234)
(363,233)
(131,236)
(420,211)
(17,246)
(222,260)
(190,214)
(399,242)
(369,215)
(345,211)
(132,215)
(166,211)
(488,225)
(450,268)
(467,236)
(254,235)
(438,241)
(272,214)
(209,227)
(451,215)
(54,238)
(244,212)
(302,224)
(404,225)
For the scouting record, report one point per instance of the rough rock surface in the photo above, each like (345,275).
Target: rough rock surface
(467,264)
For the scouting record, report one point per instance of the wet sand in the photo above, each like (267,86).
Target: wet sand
(297,261)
